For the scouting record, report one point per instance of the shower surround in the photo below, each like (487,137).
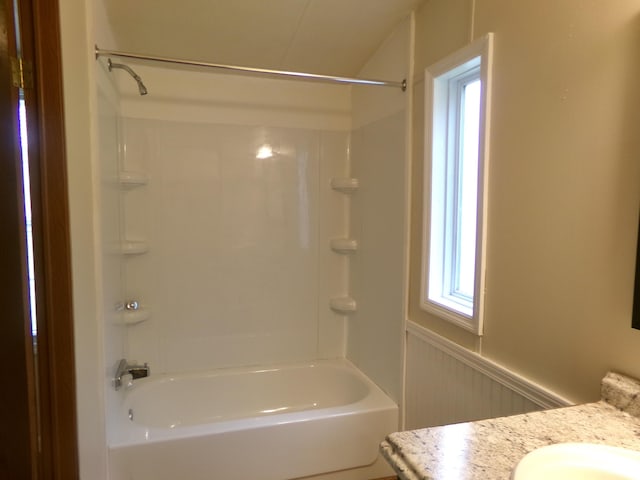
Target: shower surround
(230,252)
(235,243)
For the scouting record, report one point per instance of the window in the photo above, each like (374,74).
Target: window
(456,159)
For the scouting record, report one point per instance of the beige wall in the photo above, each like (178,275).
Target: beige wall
(564,184)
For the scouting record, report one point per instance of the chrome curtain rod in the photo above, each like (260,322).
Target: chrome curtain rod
(308,76)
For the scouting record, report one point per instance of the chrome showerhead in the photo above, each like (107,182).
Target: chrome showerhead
(141,88)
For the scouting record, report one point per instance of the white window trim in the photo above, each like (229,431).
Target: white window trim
(479,51)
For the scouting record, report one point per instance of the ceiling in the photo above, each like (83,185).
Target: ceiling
(331,37)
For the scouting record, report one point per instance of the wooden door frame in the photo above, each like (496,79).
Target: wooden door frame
(51,394)
(56,364)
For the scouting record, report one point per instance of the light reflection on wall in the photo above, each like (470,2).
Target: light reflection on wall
(265,151)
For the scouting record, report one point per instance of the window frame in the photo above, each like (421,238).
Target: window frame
(441,79)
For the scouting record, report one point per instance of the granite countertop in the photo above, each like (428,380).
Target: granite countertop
(490,449)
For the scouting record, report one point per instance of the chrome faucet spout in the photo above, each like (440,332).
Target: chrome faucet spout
(135,371)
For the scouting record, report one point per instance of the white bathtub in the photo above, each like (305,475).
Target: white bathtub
(263,424)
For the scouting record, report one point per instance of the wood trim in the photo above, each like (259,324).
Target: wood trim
(59,363)
(40,33)
(635,318)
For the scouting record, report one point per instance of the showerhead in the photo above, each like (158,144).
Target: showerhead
(141,88)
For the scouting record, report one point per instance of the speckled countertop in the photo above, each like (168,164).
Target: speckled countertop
(490,449)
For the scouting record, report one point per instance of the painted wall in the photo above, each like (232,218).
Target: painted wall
(564,184)
(378,215)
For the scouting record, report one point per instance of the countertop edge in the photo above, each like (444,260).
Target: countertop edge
(491,448)
(397,462)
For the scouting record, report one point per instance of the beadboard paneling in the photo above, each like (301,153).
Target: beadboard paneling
(448,384)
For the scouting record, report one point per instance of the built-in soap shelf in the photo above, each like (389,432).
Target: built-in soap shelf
(344,246)
(131,313)
(133,317)
(129,179)
(344,305)
(134,247)
(345,184)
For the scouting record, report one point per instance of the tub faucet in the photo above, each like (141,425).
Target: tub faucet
(124,369)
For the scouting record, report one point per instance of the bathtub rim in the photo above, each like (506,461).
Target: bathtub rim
(130,433)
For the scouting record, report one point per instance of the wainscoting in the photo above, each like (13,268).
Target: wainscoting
(446,383)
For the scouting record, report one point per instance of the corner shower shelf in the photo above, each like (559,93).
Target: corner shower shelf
(344,245)
(133,317)
(134,247)
(345,185)
(133,179)
(343,304)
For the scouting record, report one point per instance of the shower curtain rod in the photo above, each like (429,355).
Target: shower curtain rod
(308,76)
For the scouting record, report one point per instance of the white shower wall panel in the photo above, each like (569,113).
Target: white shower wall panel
(109,264)
(376,273)
(333,222)
(232,272)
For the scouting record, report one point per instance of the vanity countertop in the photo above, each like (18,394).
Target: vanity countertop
(490,449)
